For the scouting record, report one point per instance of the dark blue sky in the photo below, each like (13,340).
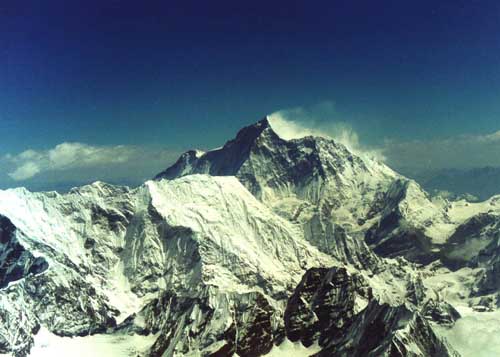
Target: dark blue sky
(177,74)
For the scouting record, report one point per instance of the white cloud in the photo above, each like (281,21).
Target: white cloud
(289,129)
(66,156)
(299,122)
(475,334)
(25,171)
(461,152)
(495,137)
(80,163)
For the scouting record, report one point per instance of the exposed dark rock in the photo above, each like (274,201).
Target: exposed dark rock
(415,290)
(17,340)
(333,239)
(440,312)
(170,315)
(89,243)
(307,167)
(221,162)
(254,327)
(108,218)
(179,319)
(15,261)
(91,312)
(468,245)
(322,305)
(229,348)
(485,303)
(489,260)
(184,269)
(392,237)
(382,330)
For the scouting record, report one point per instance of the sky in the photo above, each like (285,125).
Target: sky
(115,90)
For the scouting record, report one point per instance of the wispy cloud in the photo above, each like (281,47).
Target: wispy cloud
(463,152)
(495,137)
(321,120)
(81,163)
(66,156)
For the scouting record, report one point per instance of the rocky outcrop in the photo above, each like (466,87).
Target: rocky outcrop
(468,245)
(415,289)
(15,261)
(321,306)
(489,281)
(321,310)
(405,214)
(217,324)
(440,312)
(62,301)
(475,244)
(390,238)
(383,330)
(177,252)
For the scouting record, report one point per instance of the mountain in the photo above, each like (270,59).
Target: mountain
(262,247)
(304,181)
(194,256)
(480,183)
(339,198)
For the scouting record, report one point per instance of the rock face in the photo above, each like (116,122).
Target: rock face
(382,330)
(406,223)
(440,312)
(271,167)
(322,310)
(34,293)
(469,239)
(16,262)
(322,305)
(240,249)
(244,326)
(475,244)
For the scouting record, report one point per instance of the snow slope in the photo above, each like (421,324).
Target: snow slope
(117,250)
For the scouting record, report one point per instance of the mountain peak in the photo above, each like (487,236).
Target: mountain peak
(225,161)
(250,133)
(259,157)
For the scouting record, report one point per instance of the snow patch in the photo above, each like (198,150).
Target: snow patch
(293,349)
(50,345)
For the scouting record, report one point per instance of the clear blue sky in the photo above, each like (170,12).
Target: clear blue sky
(175,74)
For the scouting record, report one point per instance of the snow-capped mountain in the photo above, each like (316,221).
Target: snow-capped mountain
(339,198)
(314,182)
(265,246)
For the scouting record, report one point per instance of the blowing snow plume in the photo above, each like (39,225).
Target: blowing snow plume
(299,122)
